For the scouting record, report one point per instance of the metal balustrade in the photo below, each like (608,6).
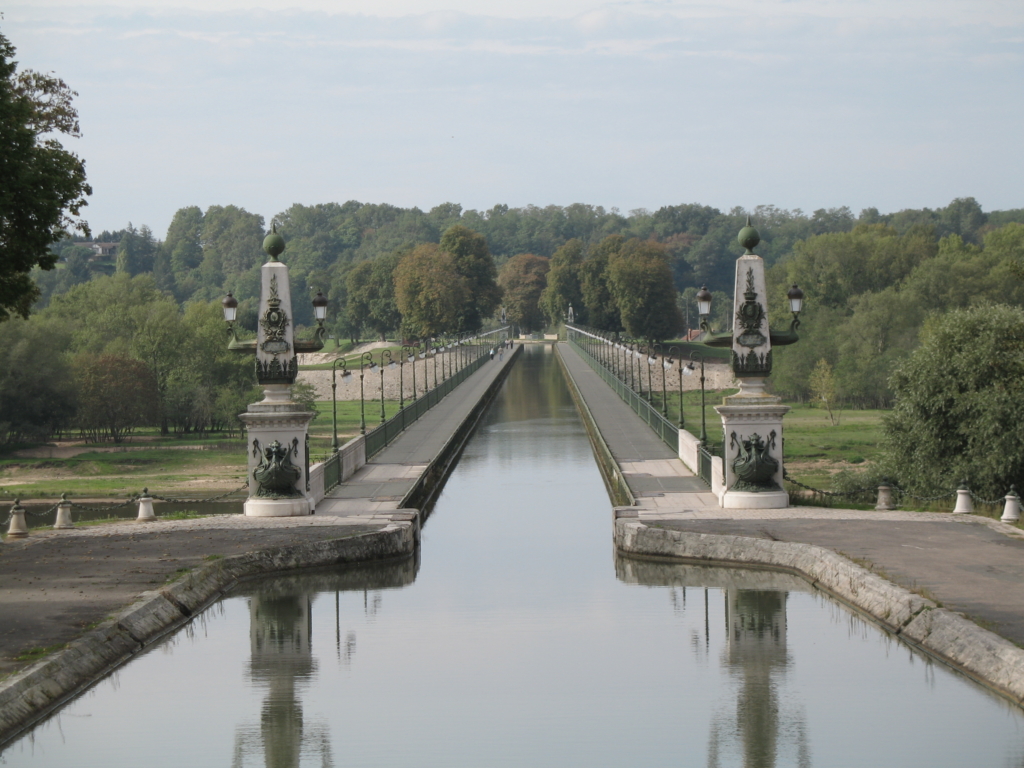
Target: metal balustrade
(665,429)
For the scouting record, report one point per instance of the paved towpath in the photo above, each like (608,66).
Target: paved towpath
(653,472)
(971,564)
(378,488)
(55,584)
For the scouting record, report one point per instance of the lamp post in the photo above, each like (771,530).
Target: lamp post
(407,356)
(688,370)
(664,367)
(277,427)
(651,360)
(679,357)
(434,350)
(367,357)
(334,395)
(391,364)
(638,356)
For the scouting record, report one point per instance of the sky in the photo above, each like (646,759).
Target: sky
(794,103)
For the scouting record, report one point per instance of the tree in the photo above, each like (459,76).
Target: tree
(824,388)
(44,185)
(641,282)
(431,293)
(958,399)
(115,395)
(370,290)
(564,288)
(602,311)
(472,260)
(523,279)
(37,396)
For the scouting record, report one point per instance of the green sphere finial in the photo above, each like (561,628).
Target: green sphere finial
(749,238)
(273,243)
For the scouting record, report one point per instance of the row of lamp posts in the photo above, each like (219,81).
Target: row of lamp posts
(620,356)
(408,353)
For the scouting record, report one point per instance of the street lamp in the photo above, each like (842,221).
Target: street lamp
(407,356)
(752,418)
(668,364)
(367,357)
(704,306)
(391,364)
(276,426)
(334,394)
(651,360)
(664,367)
(434,350)
(688,370)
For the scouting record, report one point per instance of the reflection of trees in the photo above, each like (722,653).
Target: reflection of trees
(755,653)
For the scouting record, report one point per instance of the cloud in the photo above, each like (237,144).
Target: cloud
(619,104)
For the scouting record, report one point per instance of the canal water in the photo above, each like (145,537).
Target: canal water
(519,638)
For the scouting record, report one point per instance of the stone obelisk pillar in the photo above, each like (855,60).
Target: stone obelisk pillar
(752,419)
(276,426)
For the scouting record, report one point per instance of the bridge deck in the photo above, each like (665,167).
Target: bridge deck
(377,489)
(659,481)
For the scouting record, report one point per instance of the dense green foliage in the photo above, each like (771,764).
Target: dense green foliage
(156,361)
(871,281)
(959,398)
(523,280)
(870,291)
(43,187)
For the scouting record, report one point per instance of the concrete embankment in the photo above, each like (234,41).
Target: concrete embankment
(32,693)
(993,661)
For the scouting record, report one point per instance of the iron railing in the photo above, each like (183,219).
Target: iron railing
(665,429)
(704,456)
(379,438)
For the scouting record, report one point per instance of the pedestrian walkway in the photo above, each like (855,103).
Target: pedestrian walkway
(380,488)
(970,564)
(657,478)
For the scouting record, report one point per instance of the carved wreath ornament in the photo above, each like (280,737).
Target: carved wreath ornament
(274,323)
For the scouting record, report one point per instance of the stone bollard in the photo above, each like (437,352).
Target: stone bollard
(17,529)
(63,513)
(1011,511)
(884,499)
(146,514)
(964,504)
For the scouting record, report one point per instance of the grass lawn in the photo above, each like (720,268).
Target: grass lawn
(107,472)
(814,449)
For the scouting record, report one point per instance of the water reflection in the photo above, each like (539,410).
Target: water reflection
(517,644)
(756,725)
(755,655)
(282,663)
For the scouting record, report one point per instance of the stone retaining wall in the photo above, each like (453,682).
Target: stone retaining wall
(983,656)
(30,695)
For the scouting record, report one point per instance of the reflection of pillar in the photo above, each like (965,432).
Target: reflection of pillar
(280,627)
(755,648)
(282,656)
(756,654)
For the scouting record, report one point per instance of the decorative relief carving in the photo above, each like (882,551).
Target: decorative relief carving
(754,466)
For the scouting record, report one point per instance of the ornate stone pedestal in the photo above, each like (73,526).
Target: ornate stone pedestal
(278,462)
(752,424)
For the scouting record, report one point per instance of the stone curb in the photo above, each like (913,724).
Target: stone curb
(31,694)
(978,653)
